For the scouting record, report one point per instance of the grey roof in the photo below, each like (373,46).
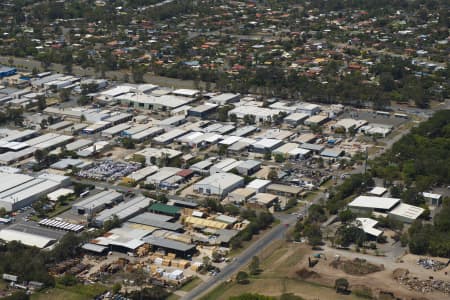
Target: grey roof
(102,198)
(313,147)
(249,164)
(168,244)
(332,152)
(149,220)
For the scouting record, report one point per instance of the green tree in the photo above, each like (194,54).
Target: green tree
(341,285)
(254,266)
(272,175)
(242,277)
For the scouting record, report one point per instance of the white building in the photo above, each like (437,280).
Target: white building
(219,184)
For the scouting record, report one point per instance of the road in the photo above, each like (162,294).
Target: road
(28,65)
(276,233)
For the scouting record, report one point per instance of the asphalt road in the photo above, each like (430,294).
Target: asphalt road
(276,233)
(27,64)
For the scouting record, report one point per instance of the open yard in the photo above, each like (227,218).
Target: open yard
(78,292)
(278,277)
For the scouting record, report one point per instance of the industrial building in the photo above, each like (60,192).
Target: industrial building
(7,71)
(28,239)
(219,184)
(123,210)
(406,213)
(156,220)
(369,204)
(19,190)
(225,98)
(97,202)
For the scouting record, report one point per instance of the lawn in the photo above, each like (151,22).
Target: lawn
(78,292)
(278,265)
(191,284)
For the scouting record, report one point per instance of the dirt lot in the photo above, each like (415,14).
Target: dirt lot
(285,270)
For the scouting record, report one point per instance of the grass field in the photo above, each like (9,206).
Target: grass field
(77,292)
(278,277)
(191,284)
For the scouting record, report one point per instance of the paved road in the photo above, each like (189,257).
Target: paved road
(28,65)
(276,233)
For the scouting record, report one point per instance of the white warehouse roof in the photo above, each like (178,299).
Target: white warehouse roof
(25,238)
(374,202)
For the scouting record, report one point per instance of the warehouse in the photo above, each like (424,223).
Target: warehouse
(223,166)
(202,167)
(332,152)
(162,175)
(123,239)
(315,148)
(158,221)
(368,226)
(78,144)
(20,136)
(141,174)
(262,200)
(7,71)
(179,248)
(18,190)
(96,127)
(244,131)
(164,209)
(97,202)
(225,98)
(60,125)
(118,118)
(136,129)
(369,204)
(240,195)
(202,111)
(219,184)
(432,198)
(284,190)
(10,157)
(123,210)
(172,122)
(406,213)
(308,108)
(186,92)
(28,239)
(115,130)
(316,120)
(169,136)
(152,155)
(295,119)
(349,124)
(261,114)
(259,185)
(143,101)
(147,134)
(248,167)
(266,145)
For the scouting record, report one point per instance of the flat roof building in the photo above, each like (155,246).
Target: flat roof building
(97,202)
(406,213)
(219,184)
(368,204)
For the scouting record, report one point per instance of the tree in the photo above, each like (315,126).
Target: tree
(116,288)
(341,285)
(272,175)
(346,216)
(40,155)
(279,158)
(216,256)
(254,266)
(127,143)
(242,277)
(41,103)
(64,95)
(314,235)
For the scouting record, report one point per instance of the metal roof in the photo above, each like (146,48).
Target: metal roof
(374,202)
(168,244)
(164,208)
(25,238)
